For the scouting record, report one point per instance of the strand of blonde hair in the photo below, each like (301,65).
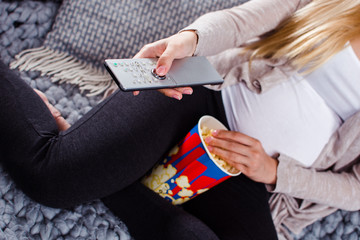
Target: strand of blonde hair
(313,34)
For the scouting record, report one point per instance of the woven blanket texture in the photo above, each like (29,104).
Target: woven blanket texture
(23,25)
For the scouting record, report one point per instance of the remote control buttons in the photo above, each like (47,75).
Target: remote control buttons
(153,72)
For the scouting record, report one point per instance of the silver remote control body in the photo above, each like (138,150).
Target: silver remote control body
(139,74)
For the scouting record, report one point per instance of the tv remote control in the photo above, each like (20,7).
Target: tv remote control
(140,74)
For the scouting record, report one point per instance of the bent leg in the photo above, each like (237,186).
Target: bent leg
(235,209)
(112,146)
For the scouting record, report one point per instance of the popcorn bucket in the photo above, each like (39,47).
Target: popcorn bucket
(189,169)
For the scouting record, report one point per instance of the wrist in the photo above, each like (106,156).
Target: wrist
(193,38)
(273,173)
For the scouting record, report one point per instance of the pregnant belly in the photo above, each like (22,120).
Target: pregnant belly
(290,118)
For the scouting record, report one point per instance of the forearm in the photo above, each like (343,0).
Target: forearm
(340,190)
(230,28)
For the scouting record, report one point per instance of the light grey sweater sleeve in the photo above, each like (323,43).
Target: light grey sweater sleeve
(232,27)
(339,190)
(334,179)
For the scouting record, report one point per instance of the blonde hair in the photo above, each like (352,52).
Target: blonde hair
(313,34)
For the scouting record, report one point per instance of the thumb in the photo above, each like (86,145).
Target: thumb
(165,61)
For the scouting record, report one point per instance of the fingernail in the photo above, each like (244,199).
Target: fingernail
(208,139)
(178,97)
(160,70)
(210,148)
(215,132)
(188,92)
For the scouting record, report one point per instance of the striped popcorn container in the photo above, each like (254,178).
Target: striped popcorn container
(189,169)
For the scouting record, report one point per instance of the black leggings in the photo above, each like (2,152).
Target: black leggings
(105,153)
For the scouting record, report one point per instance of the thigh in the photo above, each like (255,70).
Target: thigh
(235,209)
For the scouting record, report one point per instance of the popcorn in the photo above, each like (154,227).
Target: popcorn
(205,132)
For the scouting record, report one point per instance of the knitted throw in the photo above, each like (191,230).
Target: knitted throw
(86,32)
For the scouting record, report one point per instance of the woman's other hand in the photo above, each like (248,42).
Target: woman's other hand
(177,46)
(60,121)
(245,154)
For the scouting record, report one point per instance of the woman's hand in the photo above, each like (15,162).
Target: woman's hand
(245,154)
(60,121)
(175,47)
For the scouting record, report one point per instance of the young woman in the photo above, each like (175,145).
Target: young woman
(104,154)
(308,124)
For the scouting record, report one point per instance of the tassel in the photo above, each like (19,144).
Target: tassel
(62,68)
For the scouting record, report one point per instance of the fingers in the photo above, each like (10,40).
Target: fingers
(165,60)
(231,141)
(152,50)
(234,147)
(135,93)
(178,46)
(174,47)
(60,121)
(227,155)
(41,95)
(52,109)
(236,136)
(172,93)
(229,146)
(245,154)
(240,162)
(185,90)
(176,93)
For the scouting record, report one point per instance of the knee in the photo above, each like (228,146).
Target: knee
(42,183)
(39,187)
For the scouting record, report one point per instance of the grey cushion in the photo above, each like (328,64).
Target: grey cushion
(93,30)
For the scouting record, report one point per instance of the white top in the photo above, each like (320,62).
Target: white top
(298,117)
(341,88)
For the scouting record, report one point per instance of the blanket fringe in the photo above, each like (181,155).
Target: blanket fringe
(62,68)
